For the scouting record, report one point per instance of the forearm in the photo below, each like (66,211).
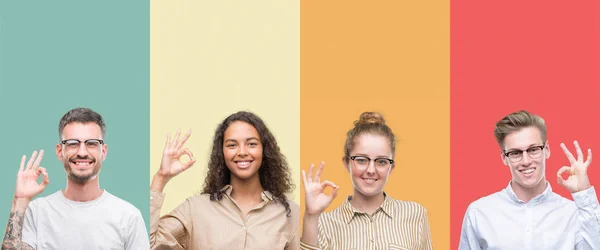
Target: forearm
(589,216)
(310,230)
(156,201)
(14,229)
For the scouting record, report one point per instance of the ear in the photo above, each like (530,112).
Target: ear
(503,157)
(59,151)
(547,150)
(104,151)
(345,162)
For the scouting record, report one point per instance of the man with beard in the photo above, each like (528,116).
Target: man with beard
(81,216)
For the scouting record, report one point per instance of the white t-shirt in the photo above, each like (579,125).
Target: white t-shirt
(54,222)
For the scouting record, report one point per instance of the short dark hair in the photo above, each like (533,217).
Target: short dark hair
(81,115)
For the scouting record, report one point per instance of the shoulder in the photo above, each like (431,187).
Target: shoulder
(294,206)
(336,215)
(201,200)
(492,204)
(404,208)
(122,206)
(489,201)
(45,201)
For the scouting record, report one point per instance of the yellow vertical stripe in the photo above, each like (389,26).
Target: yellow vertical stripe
(209,59)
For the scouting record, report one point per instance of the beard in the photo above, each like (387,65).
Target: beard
(75,175)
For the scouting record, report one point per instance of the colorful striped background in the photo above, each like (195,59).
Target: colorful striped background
(442,72)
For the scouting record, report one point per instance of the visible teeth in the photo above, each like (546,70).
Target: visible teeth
(243,163)
(528,171)
(369,180)
(82,163)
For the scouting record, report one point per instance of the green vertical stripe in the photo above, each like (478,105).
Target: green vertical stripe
(58,55)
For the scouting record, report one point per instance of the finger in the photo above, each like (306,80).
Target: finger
(192,159)
(562,170)
(184,139)
(318,174)
(567,153)
(334,193)
(23,158)
(328,183)
(562,181)
(38,160)
(578,151)
(45,182)
(40,171)
(310,171)
(304,178)
(589,159)
(168,142)
(30,162)
(176,138)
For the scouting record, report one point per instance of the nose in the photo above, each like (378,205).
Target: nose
(82,150)
(526,160)
(243,151)
(371,167)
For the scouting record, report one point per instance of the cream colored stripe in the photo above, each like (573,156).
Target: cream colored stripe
(209,59)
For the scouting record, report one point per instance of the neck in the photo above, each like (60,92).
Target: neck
(526,194)
(82,192)
(249,190)
(367,204)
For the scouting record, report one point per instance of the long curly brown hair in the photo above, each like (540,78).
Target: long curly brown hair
(274,173)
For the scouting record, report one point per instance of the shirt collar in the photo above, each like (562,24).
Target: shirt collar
(349,212)
(537,199)
(265,195)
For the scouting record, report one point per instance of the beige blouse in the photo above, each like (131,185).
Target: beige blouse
(199,223)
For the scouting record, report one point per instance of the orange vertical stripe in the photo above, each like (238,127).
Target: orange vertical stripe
(391,57)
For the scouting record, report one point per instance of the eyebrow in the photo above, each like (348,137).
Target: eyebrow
(247,139)
(528,147)
(376,157)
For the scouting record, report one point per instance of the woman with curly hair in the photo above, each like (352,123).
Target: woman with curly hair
(243,203)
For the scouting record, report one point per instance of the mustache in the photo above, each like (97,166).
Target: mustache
(88,158)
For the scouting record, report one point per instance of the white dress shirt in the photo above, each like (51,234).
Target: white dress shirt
(547,222)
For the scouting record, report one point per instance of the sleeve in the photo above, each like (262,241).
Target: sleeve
(468,236)
(29,233)
(172,231)
(588,214)
(137,237)
(425,235)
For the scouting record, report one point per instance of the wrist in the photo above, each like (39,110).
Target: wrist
(311,216)
(20,204)
(159,182)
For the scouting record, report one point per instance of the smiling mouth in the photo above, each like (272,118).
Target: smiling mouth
(243,164)
(369,180)
(82,163)
(527,171)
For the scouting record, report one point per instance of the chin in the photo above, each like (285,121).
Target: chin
(244,175)
(530,183)
(369,191)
